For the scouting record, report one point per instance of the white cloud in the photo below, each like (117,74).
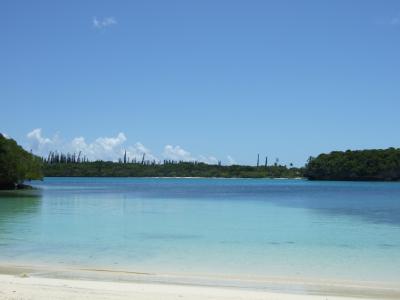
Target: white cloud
(231,160)
(5,135)
(136,152)
(109,143)
(177,153)
(38,143)
(102,23)
(110,148)
(103,148)
(207,159)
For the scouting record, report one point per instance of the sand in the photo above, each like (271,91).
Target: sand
(12,287)
(25,283)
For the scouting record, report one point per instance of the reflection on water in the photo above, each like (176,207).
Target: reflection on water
(15,204)
(16,207)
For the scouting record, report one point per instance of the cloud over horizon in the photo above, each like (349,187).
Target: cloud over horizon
(38,143)
(180,154)
(177,153)
(231,160)
(110,148)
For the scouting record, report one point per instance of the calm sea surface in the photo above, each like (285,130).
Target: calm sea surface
(274,228)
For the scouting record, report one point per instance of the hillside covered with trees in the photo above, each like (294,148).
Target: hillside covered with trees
(367,165)
(16,164)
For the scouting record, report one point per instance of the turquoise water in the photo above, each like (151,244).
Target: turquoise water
(243,227)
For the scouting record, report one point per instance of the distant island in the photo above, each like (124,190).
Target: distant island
(18,165)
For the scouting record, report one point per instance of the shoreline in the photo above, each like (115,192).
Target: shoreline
(178,177)
(67,289)
(38,282)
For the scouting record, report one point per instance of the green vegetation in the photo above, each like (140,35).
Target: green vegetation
(176,169)
(368,165)
(57,165)
(16,165)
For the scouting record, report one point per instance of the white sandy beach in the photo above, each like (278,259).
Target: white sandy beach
(14,287)
(46,282)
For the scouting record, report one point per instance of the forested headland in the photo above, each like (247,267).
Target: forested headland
(17,165)
(365,165)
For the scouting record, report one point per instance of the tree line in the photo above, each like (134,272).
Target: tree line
(367,165)
(372,165)
(16,164)
(58,164)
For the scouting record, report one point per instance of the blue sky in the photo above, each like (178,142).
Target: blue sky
(206,80)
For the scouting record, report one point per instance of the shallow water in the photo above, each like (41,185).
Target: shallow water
(240,227)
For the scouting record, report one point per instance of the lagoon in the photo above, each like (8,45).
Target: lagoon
(230,228)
